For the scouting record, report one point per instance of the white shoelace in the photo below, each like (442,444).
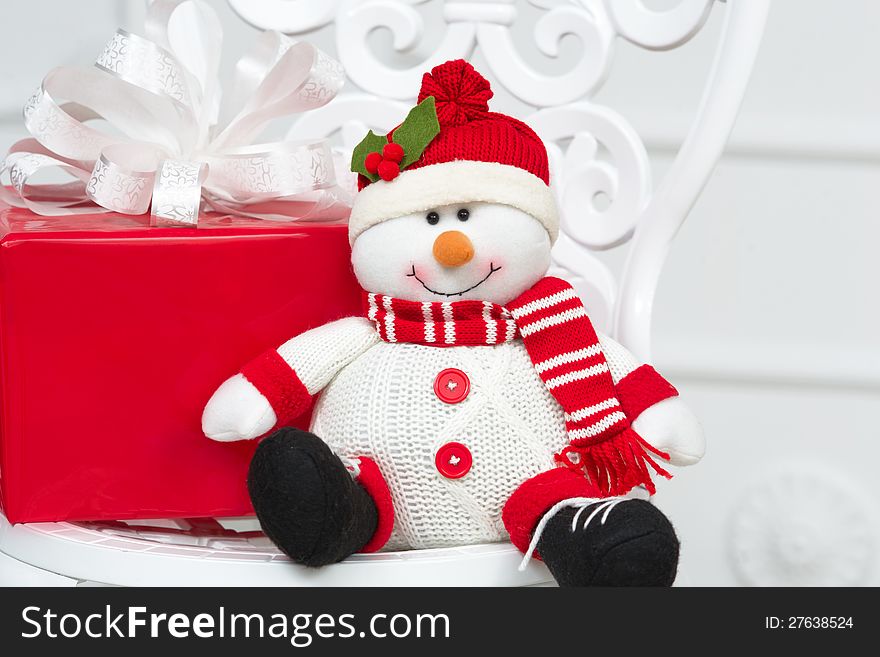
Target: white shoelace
(606,504)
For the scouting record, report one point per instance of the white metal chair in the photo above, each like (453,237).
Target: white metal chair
(596,157)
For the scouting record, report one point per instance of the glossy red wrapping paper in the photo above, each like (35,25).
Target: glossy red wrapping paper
(113,336)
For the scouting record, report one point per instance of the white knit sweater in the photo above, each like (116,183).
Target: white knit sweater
(378,401)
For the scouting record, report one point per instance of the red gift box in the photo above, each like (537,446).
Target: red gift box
(113,336)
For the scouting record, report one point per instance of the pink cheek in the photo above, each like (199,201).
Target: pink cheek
(484,263)
(419,271)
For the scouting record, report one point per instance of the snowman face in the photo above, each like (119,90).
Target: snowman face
(484,251)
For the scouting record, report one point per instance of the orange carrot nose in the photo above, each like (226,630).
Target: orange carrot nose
(453,249)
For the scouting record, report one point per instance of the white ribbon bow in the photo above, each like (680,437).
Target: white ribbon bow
(172,147)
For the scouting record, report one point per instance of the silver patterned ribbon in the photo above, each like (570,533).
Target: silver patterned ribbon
(176,192)
(170,152)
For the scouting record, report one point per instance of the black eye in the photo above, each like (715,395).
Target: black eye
(463,214)
(433,218)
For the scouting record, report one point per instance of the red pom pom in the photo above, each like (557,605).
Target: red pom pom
(388,170)
(460,92)
(393,152)
(372,161)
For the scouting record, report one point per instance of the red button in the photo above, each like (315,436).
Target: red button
(453,460)
(452,386)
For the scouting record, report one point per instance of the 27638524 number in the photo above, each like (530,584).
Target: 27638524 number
(808,622)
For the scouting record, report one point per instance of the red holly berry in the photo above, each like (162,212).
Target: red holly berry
(372,161)
(388,170)
(393,152)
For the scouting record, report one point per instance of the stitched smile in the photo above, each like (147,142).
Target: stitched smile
(492,270)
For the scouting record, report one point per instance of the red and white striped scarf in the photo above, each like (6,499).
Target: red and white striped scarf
(565,351)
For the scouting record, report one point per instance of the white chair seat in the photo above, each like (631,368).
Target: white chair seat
(115,554)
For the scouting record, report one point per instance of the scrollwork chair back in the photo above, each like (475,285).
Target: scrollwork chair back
(599,164)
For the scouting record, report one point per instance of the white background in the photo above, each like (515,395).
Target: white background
(767,314)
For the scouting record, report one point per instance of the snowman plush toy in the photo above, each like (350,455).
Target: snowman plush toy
(473,401)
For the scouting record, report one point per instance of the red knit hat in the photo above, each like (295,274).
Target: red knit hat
(477,155)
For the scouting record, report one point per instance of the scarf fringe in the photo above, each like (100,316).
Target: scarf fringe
(616,465)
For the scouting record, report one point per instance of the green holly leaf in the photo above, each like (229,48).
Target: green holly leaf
(370,144)
(417,131)
(413,135)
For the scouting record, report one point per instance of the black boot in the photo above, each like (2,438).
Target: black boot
(306,501)
(635,546)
